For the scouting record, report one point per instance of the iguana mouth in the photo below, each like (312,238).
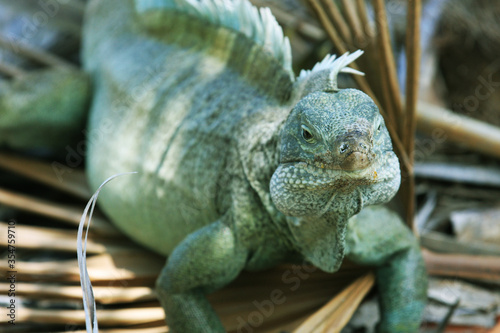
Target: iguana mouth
(304,189)
(302,175)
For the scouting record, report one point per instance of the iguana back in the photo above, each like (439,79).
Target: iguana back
(177,102)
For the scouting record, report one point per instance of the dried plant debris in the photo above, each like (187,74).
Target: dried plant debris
(477,225)
(459,173)
(468,44)
(460,44)
(477,306)
(123,274)
(449,199)
(365,318)
(53,26)
(444,243)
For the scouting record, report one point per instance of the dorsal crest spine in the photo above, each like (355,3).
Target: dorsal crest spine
(335,66)
(237,15)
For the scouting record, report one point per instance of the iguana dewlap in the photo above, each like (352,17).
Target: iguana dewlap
(241,165)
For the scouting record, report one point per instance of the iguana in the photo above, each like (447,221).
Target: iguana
(241,165)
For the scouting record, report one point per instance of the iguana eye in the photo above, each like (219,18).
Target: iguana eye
(343,148)
(307,135)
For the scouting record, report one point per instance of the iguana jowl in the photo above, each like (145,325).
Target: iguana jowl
(241,165)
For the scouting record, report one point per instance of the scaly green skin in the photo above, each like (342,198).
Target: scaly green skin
(239,166)
(43,109)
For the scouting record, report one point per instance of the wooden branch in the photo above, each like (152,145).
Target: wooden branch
(341,48)
(363,16)
(481,268)
(442,243)
(39,55)
(353,20)
(387,59)
(336,313)
(10,70)
(412,73)
(386,95)
(398,145)
(156,329)
(328,26)
(442,124)
(107,317)
(103,294)
(459,173)
(409,122)
(74,182)
(339,21)
(128,267)
(70,215)
(50,239)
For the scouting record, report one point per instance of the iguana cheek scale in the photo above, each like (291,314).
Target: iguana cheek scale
(241,165)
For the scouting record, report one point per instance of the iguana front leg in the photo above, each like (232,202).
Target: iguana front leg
(376,236)
(206,260)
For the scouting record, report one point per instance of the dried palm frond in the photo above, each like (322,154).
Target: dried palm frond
(381,81)
(48,294)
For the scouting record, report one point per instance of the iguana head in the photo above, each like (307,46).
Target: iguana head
(336,156)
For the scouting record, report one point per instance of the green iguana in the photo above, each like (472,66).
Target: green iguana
(241,164)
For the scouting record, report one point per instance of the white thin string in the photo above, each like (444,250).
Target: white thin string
(88,292)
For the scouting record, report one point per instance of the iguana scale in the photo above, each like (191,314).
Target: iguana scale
(241,165)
